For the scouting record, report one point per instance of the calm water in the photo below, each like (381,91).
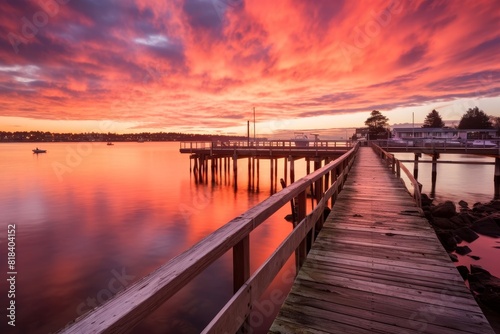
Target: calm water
(471,183)
(92,219)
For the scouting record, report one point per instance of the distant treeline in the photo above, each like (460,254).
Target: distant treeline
(40,136)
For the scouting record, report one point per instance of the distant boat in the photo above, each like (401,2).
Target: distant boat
(109,143)
(140,140)
(301,140)
(37,150)
(483,143)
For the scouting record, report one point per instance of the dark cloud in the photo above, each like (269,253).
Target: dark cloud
(203,17)
(414,55)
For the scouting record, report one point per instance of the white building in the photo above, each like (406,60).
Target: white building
(444,133)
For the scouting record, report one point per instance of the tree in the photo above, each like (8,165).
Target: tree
(474,118)
(496,123)
(433,120)
(377,125)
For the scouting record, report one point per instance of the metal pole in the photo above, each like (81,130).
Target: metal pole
(254,124)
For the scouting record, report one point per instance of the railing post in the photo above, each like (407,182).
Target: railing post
(398,169)
(301,252)
(393,164)
(241,263)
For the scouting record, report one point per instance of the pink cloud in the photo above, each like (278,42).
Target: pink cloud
(188,63)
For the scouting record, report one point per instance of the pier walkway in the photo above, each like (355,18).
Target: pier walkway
(378,267)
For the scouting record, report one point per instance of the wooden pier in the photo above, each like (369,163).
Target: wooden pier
(375,267)
(378,267)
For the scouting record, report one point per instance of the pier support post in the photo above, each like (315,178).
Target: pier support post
(285,164)
(318,185)
(241,263)
(435,156)
(292,169)
(235,171)
(497,178)
(276,174)
(271,175)
(301,252)
(415,165)
(249,173)
(258,174)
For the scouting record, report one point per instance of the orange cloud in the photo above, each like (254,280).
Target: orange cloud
(188,64)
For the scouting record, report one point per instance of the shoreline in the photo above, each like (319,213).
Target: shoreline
(460,232)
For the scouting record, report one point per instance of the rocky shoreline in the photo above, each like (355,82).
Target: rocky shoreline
(467,224)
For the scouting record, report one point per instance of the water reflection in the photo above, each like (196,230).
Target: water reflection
(85,212)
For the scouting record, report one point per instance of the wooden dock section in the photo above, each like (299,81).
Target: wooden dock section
(378,267)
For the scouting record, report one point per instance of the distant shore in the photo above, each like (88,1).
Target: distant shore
(48,137)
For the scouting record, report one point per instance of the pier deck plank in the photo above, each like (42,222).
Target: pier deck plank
(378,267)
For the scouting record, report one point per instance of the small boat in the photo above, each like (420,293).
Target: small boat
(301,140)
(109,143)
(483,143)
(37,150)
(140,140)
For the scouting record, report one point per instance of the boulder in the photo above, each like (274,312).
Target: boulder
(458,221)
(490,299)
(463,204)
(443,223)
(464,271)
(463,250)
(447,240)
(483,208)
(467,218)
(466,234)
(426,200)
(445,210)
(495,204)
(487,226)
(477,269)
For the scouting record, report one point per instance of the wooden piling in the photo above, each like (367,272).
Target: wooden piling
(415,165)
(497,178)
(435,156)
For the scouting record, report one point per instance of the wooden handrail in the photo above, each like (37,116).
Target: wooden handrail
(129,307)
(397,166)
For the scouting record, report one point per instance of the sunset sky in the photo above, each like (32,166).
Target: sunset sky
(201,66)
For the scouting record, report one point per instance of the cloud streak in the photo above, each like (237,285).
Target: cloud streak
(188,63)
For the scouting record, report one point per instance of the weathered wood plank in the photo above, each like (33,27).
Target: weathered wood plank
(377,266)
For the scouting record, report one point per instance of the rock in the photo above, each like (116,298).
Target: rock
(453,257)
(443,223)
(487,226)
(463,250)
(490,299)
(445,210)
(485,284)
(447,240)
(466,234)
(289,218)
(426,200)
(496,217)
(495,204)
(474,257)
(463,204)
(483,208)
(458,221)
(464,271)
(477,269)
(467,218)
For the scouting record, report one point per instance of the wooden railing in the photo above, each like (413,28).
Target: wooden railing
(443,144)
(397,166)
(128,308)
(263,144)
